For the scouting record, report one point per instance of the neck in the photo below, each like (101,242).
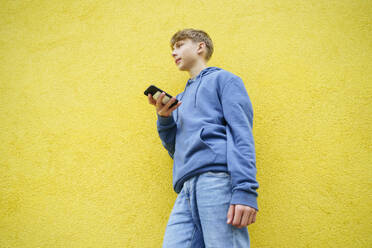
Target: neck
(195,70)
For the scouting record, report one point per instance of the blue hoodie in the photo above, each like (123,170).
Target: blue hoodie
(212,131)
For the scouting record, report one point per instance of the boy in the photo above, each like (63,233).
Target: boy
(208,134)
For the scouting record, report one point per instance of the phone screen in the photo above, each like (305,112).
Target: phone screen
(165,98)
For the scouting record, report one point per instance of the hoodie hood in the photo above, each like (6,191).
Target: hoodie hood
(198,79)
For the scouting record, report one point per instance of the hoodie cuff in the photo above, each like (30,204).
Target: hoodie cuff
(164,121)
(244,198)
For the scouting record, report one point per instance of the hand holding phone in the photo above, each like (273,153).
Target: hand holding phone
(164,102)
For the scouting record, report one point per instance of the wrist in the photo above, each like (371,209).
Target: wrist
(165,120)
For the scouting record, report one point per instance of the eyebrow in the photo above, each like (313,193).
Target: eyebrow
(177,43)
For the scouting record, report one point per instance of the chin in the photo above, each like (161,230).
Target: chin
(182,67)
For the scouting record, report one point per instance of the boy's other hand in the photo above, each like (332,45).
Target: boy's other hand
(162,109)
(241,215)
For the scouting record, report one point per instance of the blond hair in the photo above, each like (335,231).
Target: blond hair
(196,36)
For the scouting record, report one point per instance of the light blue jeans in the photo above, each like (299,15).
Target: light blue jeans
(199,215)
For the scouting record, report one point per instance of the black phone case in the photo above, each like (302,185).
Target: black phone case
(155,92)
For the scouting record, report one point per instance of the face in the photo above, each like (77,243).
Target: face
(185,54)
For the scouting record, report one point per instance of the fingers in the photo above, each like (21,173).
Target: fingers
(230,214)
(238,215)
(254,216)
(164,110)
(151,99)
(251,215)
(246,219)
(170,102)
(175,106)
(241,215)
(159,101)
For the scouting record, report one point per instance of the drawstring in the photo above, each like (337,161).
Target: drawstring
(197,87)
(183,93)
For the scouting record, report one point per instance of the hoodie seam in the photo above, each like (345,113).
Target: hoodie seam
(228,83)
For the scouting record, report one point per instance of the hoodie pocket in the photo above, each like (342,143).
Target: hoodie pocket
(214,136)
(192,150)
(202,140)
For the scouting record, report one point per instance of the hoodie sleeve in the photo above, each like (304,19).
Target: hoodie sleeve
(241,158)
(167,129)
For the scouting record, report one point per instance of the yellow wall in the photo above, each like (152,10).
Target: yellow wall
(81,163)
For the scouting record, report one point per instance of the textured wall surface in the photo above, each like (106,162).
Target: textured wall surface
(81,163)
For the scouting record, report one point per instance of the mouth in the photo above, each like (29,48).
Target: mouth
(178,60)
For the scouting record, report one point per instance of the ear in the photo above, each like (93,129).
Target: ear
(201,46)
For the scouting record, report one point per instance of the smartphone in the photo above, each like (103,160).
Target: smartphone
(155,92)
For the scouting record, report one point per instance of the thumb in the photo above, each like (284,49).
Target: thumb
(230,214)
